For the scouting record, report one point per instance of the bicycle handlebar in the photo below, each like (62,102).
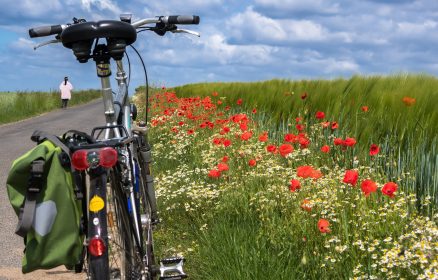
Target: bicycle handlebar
(180,19)
(42,31)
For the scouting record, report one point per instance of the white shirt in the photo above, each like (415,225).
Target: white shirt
(66,90)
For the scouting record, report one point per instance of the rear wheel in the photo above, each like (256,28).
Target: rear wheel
(121,252)
(146,222)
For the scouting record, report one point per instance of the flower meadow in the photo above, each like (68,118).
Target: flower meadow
(240,200)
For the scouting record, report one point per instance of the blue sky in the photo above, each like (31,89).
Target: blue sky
(240,40)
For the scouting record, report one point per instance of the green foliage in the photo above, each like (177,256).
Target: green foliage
(21,105)
(407,134)
(247,224)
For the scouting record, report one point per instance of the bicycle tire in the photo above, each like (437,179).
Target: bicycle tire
(118,260)
(121,250)
(146,222)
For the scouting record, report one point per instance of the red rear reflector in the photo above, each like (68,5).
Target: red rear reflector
(79,160)
(96,246)
(108,157)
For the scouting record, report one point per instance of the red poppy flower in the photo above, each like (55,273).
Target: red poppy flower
(304,171)
(214,173)
(364,108)
(225,159)
(271,148)
(289,137)
(304,95)
(368,187)
(325,124)
(246,135)
(226,142)
(263,137)
(181,123)
(214,93)
(285,149)
(351,177)
(306,205)
(299,127)
(222,167)
(298,119)
(374,150)
(294,185)
(335,125)
(217,141)
(174,129)
(325,149)
(254,110)
(304,141)
(350,142)
(320,115)
(239,101)
(219,102)
(338,141)
(190,131)
(252,162)
(316,174)
(409,101)
(389,189)
(323,226)
(244,126)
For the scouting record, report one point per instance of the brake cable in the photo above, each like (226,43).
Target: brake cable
(147,84)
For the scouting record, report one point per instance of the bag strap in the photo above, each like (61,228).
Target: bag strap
(39,136)
(27,212)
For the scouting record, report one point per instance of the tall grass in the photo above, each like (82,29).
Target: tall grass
(21,105)
(245,223)
(408,135)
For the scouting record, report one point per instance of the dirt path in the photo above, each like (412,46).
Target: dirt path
(14,141)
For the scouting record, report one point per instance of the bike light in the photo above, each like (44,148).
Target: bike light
(79,160)
(108,157)
(96,246)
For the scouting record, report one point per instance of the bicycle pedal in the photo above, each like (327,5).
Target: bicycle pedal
(172,269)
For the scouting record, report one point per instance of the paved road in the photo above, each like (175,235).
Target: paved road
(15,141)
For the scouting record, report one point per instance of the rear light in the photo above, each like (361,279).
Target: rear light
(96,246)
(83,159)
(108,157)
(79,160)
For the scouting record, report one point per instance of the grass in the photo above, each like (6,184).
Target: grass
(15,106)
(246,223)
(407,134)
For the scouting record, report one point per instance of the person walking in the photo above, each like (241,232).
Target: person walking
(65,87)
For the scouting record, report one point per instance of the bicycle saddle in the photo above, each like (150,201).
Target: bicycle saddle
(109,29)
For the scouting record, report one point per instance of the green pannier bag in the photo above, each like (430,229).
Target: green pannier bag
(48,205)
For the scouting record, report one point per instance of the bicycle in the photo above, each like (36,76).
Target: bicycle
(119,202)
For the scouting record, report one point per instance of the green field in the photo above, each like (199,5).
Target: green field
(247,222)
(15,106)
(408,135)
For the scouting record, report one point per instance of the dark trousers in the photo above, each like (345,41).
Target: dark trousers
(64,103)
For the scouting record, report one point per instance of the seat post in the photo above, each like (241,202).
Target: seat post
(103,68)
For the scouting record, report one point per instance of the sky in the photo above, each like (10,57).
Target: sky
(248,40)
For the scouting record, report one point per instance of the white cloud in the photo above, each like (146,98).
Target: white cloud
(251,26)
(23,44)
(287,7)
(341,66)
(101,5)
(410,28)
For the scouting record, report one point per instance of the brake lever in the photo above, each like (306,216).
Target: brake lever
(54,41)
(186,31)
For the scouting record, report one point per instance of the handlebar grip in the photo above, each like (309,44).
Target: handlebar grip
(45,31)
(181,19)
